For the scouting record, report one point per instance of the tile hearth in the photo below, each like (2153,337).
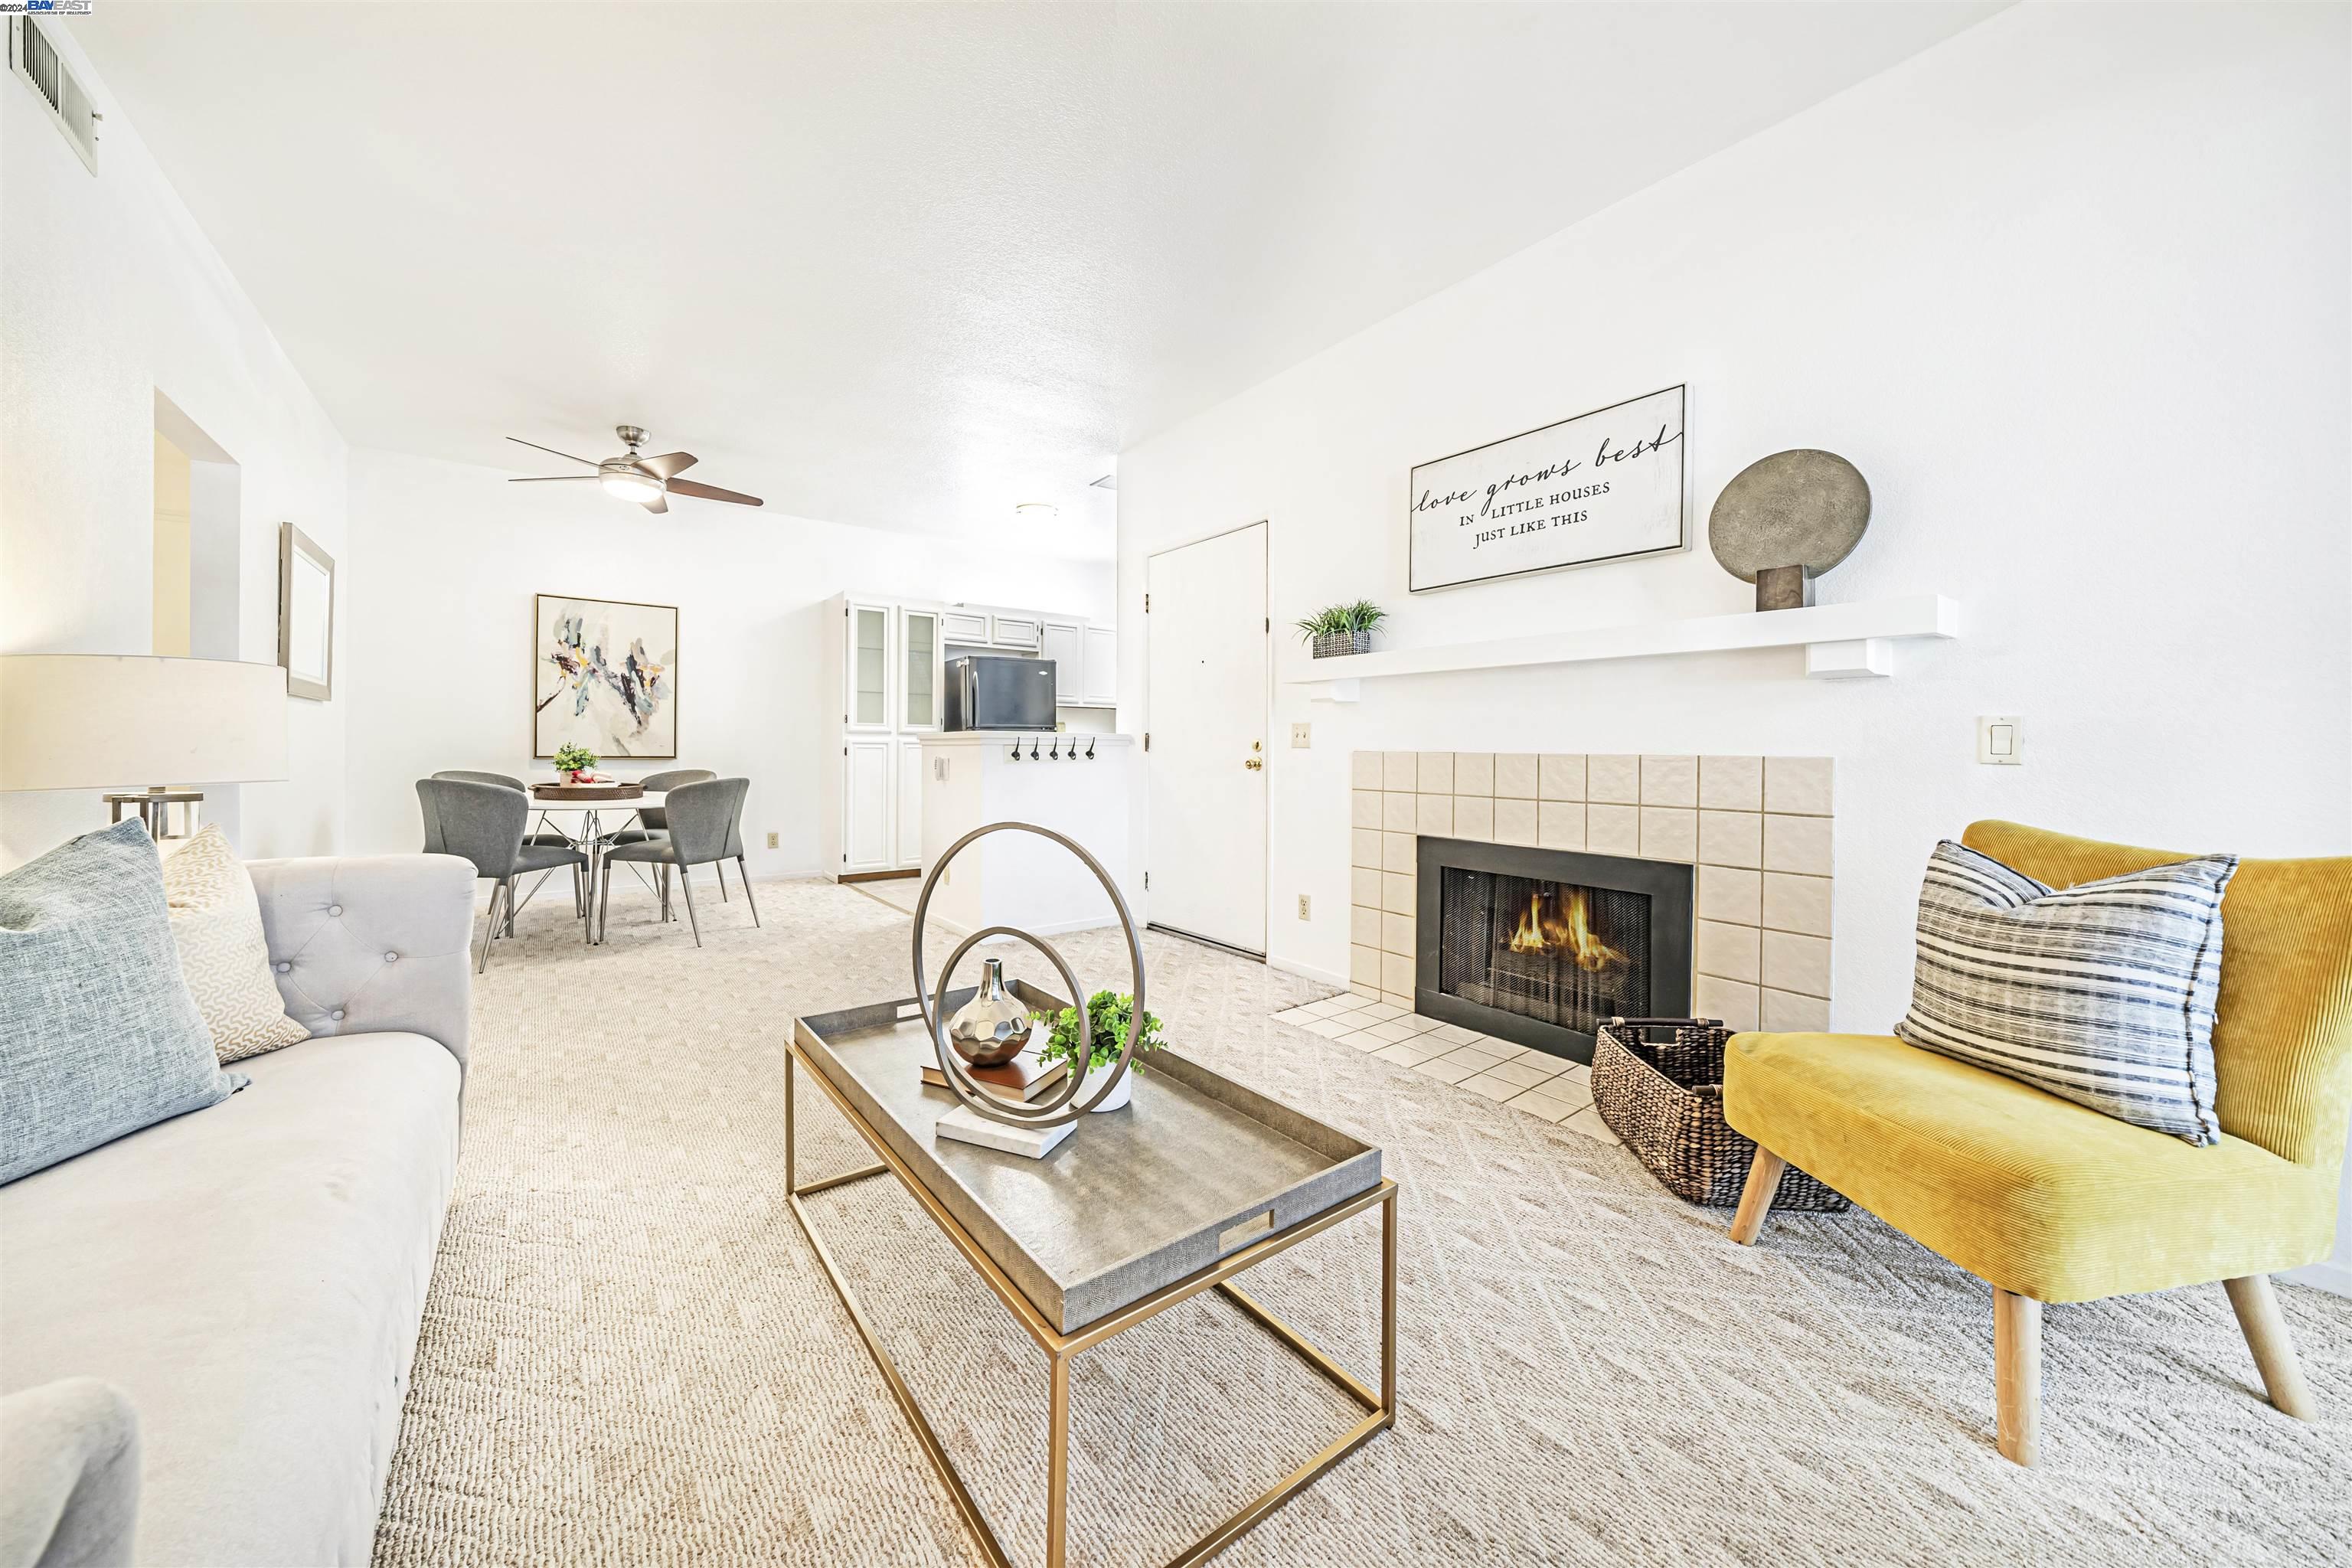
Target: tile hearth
(1533,1082)
(1759,830)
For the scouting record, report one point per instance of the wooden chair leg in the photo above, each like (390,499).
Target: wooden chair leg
(2264,1326)
(2017,1374)
(1756,1197)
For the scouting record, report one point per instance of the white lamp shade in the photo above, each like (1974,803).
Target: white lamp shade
(84,721)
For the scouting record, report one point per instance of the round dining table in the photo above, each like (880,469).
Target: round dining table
(579,813)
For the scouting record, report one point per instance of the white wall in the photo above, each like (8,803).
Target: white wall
(447,559)
(108,293)
(2070,289)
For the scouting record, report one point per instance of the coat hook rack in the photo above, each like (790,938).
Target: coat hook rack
(1090,751)
(1016,748)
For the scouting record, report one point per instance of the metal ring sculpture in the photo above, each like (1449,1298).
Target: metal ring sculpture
(1055,1110)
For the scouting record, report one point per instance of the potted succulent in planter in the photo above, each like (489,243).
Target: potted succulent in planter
(576,764)
(1342,628)
(1110,1015)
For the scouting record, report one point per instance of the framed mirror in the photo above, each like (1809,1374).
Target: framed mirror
(306,615)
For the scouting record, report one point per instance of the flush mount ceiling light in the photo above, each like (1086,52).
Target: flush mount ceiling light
(1037,510)
(633,477)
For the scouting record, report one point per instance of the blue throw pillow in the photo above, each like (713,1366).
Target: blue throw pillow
(98,1035)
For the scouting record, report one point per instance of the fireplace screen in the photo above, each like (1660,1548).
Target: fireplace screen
(1558,952)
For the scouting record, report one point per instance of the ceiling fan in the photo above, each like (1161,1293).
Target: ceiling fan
(648,481)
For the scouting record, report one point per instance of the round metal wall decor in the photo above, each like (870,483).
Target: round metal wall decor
(1057,1107)
(1803,508)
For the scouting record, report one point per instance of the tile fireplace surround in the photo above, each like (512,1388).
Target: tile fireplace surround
(1757,828)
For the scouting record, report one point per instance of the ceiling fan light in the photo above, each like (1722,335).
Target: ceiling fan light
(623,485)
(1037,510)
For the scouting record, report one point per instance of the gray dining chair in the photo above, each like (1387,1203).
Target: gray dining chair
(652,822)
(706,826)
(484,822)
(540,837)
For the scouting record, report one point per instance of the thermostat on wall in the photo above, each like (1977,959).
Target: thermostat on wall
(2000,739)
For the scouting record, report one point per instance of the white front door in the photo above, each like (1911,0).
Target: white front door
(1207,703)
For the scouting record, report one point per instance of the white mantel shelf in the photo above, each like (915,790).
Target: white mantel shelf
(1841,642)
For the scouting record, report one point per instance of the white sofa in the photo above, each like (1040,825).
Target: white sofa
(252,1275)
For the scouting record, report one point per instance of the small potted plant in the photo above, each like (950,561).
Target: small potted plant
(1110,1015)
(576,764)
(1342,628)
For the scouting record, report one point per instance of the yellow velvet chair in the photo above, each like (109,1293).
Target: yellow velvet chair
(2049,1201)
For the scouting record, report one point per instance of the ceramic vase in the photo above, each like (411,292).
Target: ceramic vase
(993,1026)
(1123,1091)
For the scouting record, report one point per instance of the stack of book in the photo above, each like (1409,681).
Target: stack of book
(1024,1078)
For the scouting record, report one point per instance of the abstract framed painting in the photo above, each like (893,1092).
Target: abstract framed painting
(603,676)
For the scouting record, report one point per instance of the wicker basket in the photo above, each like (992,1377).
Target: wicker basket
(1658,1083)
(1340,644)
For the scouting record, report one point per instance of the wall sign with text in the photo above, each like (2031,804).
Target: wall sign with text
(1604,485)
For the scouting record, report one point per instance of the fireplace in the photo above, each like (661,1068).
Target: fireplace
(1542,946)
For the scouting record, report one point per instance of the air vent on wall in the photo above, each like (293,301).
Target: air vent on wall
(31,57)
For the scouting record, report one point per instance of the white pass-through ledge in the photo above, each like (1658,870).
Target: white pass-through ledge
(1841,642)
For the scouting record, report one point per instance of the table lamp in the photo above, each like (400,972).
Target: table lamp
(103,720)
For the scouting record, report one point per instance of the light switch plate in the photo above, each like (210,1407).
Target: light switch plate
(1298,735)
(2001,740)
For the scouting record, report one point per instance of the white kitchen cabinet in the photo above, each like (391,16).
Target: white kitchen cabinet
(909,838)
(869,767)
(885,666)
(918,669)
(1100,688)
(1065,643)
(866,698)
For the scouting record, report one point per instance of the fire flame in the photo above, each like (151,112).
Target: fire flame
(1565,928)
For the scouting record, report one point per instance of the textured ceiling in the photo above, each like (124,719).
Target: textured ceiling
(906,265)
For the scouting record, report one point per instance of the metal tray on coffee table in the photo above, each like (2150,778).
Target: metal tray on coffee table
(1198,1179)
(1195,1168)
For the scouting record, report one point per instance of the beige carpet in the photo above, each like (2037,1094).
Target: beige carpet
(630,1357)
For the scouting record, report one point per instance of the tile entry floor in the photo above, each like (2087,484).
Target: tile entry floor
(1533,1081)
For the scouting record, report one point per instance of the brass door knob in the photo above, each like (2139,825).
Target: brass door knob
(1253,763)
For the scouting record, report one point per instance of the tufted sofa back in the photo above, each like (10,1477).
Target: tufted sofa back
(370,943)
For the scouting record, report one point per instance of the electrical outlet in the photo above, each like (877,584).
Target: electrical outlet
(1304,905)
(1298,736)
(771,841)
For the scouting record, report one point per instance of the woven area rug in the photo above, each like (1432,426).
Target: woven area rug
(630,1356)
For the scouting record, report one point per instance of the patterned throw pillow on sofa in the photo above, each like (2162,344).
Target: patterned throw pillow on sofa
(224,957)
(99,1036)
(2102,993)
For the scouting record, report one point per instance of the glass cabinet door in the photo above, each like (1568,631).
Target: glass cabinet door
(919,645)
(869,666)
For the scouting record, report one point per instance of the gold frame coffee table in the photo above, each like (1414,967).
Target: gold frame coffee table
(990,1208)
